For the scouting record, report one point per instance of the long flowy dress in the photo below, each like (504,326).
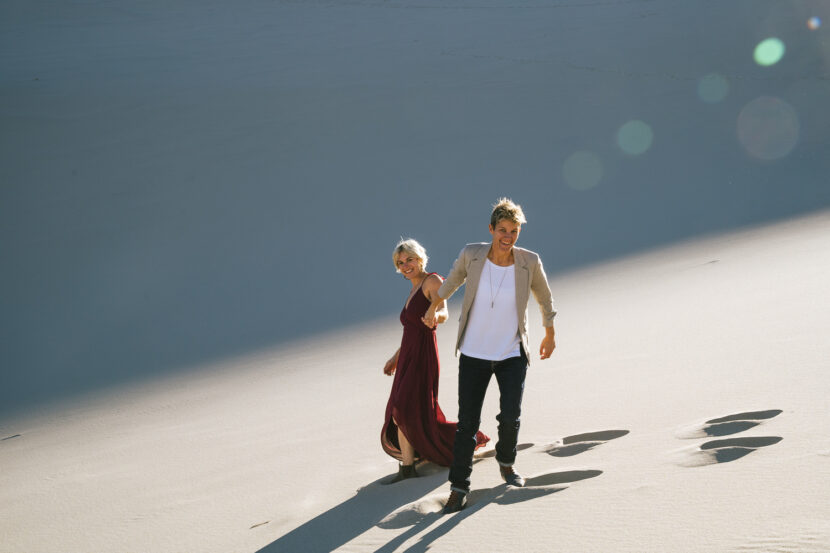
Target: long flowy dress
(413,402)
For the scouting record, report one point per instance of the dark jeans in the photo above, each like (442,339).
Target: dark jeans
(473,378)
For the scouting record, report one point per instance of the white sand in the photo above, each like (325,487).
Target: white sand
(280,451)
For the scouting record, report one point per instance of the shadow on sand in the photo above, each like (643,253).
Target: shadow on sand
(398,507)
(536,487)
(343,523)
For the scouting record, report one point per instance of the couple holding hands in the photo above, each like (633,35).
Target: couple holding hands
(492,340)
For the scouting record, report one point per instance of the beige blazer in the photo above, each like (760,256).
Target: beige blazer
(530,277)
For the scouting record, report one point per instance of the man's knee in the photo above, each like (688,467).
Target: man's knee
(509,418)
(468,425)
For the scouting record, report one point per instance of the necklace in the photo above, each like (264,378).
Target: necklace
(490,274)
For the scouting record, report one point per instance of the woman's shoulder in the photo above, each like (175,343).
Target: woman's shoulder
(431,284)
(433,280)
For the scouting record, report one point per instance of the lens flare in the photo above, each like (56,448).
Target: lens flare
(635,137)
(769,52)
(768,128)
(582,170)
(712,88)
(814,23)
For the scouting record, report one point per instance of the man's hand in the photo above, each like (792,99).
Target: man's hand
(429,317)
(548,344)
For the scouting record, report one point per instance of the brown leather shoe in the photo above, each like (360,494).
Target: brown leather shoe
(512,477)
(456,502)
(404,472)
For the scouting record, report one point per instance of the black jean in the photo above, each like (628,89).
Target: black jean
(473,377)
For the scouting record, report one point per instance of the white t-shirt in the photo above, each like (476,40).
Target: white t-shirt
(492,331)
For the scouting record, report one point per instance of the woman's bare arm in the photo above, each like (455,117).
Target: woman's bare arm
(441,313)
(392,363)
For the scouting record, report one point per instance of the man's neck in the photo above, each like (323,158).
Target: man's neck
(499,258)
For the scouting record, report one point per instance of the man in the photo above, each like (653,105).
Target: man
(492,339)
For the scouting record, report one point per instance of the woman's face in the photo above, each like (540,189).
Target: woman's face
(409,265)
(505,234)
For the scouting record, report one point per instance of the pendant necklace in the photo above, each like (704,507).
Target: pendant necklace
(490,274)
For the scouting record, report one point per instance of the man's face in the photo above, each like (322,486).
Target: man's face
(505,234)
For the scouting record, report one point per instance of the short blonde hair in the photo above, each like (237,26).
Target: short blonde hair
(504,208)
(410,246)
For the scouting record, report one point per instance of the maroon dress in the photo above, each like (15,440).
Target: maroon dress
(413,402)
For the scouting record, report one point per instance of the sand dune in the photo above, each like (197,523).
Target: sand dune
(685,409)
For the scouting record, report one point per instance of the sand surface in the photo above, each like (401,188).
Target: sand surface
(685,409)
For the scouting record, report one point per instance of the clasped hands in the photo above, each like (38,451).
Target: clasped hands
(429,318)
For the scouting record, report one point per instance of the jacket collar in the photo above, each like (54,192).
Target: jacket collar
(518,255)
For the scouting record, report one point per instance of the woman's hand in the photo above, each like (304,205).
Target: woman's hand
(429,317)
(392,364)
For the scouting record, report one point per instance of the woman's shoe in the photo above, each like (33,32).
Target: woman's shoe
(404,472)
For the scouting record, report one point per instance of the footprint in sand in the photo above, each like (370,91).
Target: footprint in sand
(579,443)
(728,425)
(728,449)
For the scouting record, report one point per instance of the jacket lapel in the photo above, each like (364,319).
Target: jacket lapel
(522,280)
(474,271)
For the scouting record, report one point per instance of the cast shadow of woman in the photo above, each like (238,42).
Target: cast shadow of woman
(353,517)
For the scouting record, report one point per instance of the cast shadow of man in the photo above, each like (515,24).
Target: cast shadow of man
(536,487)
(367,508)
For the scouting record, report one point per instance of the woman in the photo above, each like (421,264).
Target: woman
(415,426)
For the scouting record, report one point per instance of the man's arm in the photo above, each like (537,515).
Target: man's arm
(541,291)
(457,276)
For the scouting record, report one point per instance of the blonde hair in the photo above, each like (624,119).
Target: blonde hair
(410,246)
(504,208)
